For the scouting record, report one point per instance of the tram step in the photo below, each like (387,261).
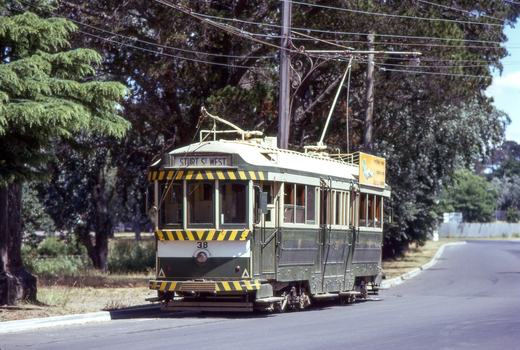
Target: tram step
(208,306)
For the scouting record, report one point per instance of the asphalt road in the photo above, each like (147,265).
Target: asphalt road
(470,299)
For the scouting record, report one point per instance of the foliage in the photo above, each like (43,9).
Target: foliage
(125,256)
(49,96)
(52,246)
(512,215)
(33,216)
(471,195)
(425,125)
(61,266)
(508,189)
(43,95)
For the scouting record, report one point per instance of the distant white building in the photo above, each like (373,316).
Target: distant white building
(453,217)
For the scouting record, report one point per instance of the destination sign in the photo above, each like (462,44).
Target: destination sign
(201,161)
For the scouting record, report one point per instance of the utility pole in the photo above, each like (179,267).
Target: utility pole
(369,116)
(284,117)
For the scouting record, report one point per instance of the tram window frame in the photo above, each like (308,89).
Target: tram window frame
(310,208)
(205,194)
(352,209)
(270,188)
(245,205)
(288,203)
(378,212)
(362,209)
(299,208)
(168,186)
(370,210)
(337,207)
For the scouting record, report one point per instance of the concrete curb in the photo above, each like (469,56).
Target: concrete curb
(35,323)
(413,273)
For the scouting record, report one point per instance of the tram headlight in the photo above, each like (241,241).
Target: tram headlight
(201,257)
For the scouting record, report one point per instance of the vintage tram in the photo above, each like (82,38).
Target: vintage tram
(244,225)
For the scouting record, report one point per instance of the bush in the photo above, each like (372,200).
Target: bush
(512,215)
(126,256)
(52,246)
(61,266)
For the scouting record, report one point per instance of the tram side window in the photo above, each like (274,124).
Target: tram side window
(288,199)
(370,206)
(311,204)
(379,206)
(337,220)
(299,204)
(200,203)
(363,209)
(351,212)
(269,189)
(233,203)
(171,210)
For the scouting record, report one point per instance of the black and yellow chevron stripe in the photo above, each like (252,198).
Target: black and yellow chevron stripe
(211,235)
(229,286)
(207,175)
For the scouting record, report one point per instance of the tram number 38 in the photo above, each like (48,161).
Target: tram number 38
(202,244)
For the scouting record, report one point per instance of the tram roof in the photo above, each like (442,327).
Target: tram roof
(261,155)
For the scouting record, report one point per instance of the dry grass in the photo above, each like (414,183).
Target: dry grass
(414,258)
(93,291)
(75,295)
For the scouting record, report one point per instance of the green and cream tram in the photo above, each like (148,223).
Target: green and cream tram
(243,225)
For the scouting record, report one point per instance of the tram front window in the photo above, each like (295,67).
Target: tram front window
(200,203)
(171,210)
(233,203)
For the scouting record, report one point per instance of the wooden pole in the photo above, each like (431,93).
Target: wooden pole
(284,117)
(369,116)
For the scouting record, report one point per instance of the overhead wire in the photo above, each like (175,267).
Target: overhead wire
(215,63)
(432,73)
(170,55)
(143,41)
(396,16)
(342,33)
(461,10)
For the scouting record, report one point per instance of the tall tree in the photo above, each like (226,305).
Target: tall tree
(45,97)
(473,196)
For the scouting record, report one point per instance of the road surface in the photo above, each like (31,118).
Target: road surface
(470,299)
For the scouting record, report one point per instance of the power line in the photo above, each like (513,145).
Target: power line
(142,41)
(450,67)
(342,33)
(433,73)
(461,10)
(396,16)
(169,55)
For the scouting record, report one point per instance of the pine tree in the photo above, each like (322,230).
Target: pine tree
(48,95)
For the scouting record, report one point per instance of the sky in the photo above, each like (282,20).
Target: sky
(505,89)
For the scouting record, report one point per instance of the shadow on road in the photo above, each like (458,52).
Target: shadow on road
(156,312)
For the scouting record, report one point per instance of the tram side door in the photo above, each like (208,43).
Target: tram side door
(268,231)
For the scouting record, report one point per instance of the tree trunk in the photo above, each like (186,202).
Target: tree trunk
(16,284)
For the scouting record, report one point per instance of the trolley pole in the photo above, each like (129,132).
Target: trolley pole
(284,117)
(369,116)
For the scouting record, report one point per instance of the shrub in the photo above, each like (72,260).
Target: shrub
(512,215)
(126,256)
(52,246)
(61,266)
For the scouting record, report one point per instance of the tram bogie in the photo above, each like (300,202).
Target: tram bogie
(243,225)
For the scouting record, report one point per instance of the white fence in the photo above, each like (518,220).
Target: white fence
(477,230)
